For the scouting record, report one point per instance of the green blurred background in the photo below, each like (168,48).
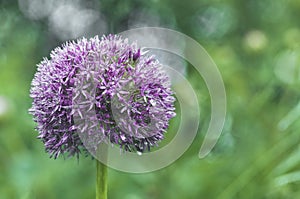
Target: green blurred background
(255,44)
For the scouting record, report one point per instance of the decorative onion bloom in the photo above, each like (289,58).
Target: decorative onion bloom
(100,90)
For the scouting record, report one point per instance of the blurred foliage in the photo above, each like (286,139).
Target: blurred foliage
(255,44)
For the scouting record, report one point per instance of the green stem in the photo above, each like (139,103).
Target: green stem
(101,184)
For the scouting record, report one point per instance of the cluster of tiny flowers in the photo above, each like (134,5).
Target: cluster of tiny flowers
(100,90)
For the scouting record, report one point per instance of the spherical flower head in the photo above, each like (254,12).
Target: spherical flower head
(100,90)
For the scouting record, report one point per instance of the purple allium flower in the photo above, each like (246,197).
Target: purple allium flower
(100,90)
